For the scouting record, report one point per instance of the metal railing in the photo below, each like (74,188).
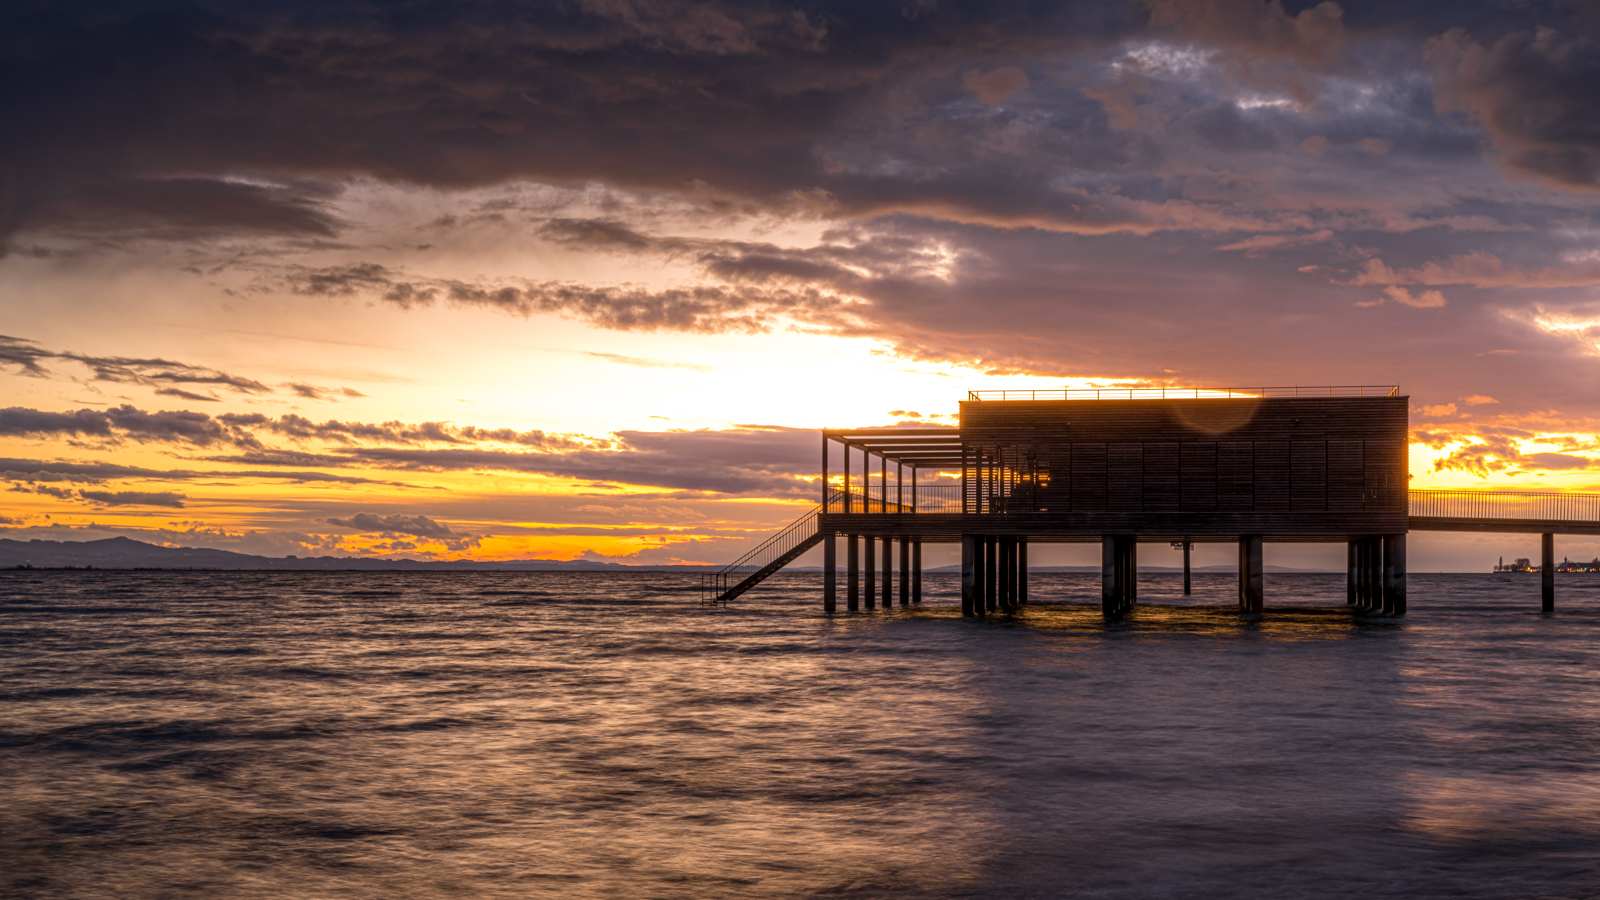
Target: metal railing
(1167,393)
(930,498)
(1541,506)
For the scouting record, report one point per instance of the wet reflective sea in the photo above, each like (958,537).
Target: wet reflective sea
(311,735)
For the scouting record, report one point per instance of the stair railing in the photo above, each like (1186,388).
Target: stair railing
(714,584)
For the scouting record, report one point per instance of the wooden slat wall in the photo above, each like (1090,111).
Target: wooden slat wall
(1198,478)
(1161,476)
(1339,462)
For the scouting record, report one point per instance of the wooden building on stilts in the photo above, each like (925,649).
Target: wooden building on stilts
(1117,467)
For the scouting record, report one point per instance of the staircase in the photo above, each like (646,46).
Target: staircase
(773,554)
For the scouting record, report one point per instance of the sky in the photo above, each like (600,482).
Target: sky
(582,280)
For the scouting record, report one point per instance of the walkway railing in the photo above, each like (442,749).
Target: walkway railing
(1541,506)
(1166,393)
(930,498)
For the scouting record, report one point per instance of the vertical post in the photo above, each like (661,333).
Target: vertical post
(916,567)
(1187,546)
(830,560)
(991,574)
(1131,557)
(969,574)
(846,467)
(1007,598)
(980,565)
(1547,572)
(852,565)
(1394,574)
(883,481)
(866,483)
(869,571)
(888,568)
(1350,575)
(1022,572)
(914,489)
(1119,568)
(1251,599)
(899,487)
(824,471)
(905,572)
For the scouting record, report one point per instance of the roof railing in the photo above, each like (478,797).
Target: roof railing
(1170,393)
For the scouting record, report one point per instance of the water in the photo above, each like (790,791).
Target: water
(309,735)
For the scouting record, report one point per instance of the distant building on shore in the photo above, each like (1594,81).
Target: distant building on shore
(1523,564)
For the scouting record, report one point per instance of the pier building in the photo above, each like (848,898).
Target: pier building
(1246,466)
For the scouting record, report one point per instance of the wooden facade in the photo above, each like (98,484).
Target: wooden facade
(1329,468)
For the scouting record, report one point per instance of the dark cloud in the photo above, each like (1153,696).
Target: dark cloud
(161,374)
(134,498)
(33,470)
(767,461)
(1537,92)
(421,526)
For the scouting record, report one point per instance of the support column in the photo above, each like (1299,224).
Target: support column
(1251,598)
(1130,555)
(905,572)
(1004,549)
(1022,571)
(1119,565)
(1547,573)
(852,564)
(888,572)
(916,560)
(1187,547)
(1394,574)
(969,575)
(830,551)
(1350,578)
(991,574)
(869,570)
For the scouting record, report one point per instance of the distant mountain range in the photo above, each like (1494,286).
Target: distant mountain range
(126,553)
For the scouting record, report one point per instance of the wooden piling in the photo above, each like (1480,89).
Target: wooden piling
(969,574)
(852,564)
(1187,547)
(991,574)
(1547,572)
(869,571)
(1394,574)
(916,561)
(830,552)
(1022,571)
(888,572)
(1251,593)
(1350,573)
(905,572)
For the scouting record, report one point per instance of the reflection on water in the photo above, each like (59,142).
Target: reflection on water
(307,735)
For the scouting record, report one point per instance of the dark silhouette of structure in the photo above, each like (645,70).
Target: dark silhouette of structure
(1244,465)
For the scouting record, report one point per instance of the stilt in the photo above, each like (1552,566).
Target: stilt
(991,574)
(1394,574)
(1251,598)
(1119,564)
(869,571)
(888,572)
(1022,571)
(1187,546)
(916,555)
(905,572)
(1350,593)
(852,564)
(1547,573)
(1375,573)
(1007,598)
(830,551)
(969,575)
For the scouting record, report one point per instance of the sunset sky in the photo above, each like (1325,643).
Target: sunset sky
(582,280)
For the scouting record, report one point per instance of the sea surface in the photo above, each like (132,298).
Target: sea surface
(498,735)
